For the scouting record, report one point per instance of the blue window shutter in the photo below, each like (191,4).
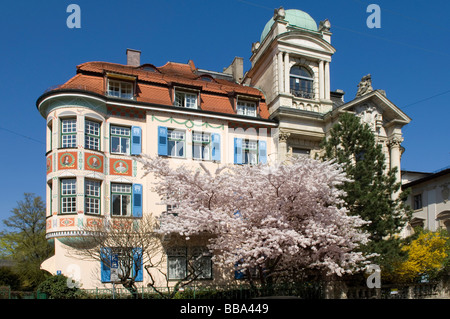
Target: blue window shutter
(238,274)
(105,270)
(136,140)
(137,200)
(162,140)
(215,147)
(262,152)
(138,263)
(237,150)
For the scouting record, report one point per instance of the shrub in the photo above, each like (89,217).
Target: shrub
(56,287)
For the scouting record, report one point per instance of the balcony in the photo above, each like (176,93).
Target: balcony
(303,93)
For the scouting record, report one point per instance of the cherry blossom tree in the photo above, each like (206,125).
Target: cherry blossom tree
(274,220)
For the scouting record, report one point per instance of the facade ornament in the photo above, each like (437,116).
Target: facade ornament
(365,86)
(324,25)
(395,142)
(255,46)
(283,136)
(279,14)
(445,192)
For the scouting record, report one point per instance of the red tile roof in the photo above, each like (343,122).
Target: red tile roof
(155,86)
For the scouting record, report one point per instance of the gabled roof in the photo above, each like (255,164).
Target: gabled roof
(155,84)
(390,110)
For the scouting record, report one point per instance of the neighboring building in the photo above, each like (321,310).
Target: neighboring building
(430,199)
(107,114)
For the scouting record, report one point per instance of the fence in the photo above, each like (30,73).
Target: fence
(436,289)
(300,290)
(7,293)
(312,290)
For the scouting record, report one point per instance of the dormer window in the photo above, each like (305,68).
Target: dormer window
(301,82)
(186,99)
(120,89)
(246,108)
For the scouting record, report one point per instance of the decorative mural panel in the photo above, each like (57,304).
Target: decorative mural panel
(94,162)
(67,160)
(49,164)
(94,222)
(67,222)
(122,167)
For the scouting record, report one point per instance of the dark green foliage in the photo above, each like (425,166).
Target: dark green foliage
(56,287)
(370,194)
(9,278)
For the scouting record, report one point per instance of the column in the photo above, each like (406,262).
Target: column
(321,81)
(282,145)
(327,80)
(286,72)
(394,155)
(280,72)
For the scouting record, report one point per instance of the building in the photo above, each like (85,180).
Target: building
(429,198)
(107,114)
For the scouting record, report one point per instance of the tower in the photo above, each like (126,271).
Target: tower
(291,65)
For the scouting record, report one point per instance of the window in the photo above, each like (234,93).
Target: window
(184,261)
(120,89)
(246,108)
(177,262)
(92,135)
(250,152)
(301,82)
(68,196)
(184,99)
(176,141)
(121,199)
(92,196)
(120,140)
(418,201)
(202,263)
(126,261)
(201,146)
(68,133)
(300,152)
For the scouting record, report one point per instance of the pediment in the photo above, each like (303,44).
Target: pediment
(375,105)
(304,40)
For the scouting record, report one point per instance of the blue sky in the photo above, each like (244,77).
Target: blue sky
(408,57)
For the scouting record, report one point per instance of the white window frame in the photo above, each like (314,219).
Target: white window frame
(246,108)
(121,191)
(92,135)
(249,149)
(176,142)
(201,146)
(68,195)
(186,99)
(92,191)
(68,133)
(119,132)
(120,89)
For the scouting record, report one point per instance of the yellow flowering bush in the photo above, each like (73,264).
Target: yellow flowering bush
(426,256)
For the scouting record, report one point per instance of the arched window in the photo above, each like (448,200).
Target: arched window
(301,82)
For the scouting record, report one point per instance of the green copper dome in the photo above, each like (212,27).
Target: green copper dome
(295,18)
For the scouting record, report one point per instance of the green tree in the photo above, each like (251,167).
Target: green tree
(24,240)
(373,192)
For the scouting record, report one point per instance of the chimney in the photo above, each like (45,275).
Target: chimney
(133,57)
(236,68)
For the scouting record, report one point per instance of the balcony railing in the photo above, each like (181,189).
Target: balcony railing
(306,94)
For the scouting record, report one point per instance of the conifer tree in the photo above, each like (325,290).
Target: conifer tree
(373,192)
